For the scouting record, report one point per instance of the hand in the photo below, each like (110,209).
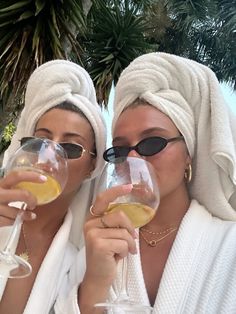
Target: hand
(108,239)
(10,194)
(143,193)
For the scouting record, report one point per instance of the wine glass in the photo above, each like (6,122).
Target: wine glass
(139,205)
(49,159)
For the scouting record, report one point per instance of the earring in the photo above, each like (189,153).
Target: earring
(188,173)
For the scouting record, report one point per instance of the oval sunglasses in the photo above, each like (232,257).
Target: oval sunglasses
(147,147)
(72,150)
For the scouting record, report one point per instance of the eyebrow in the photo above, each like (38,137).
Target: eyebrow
(145,132)
(67,134)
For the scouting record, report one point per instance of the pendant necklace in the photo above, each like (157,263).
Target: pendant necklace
(153,242)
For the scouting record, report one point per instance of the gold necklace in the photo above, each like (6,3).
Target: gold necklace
(25,254)
(154,242)
(159,232)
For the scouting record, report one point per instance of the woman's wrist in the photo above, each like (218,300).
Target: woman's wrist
(90,293)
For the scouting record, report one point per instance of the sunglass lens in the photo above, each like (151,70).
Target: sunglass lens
(111,154)
(73,151)
(24,140)
(151,146)
(33,147)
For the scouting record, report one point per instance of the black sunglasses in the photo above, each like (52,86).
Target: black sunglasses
(147,147)
(72,150)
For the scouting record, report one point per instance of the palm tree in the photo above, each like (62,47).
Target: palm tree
(201,30)
(219,43)
(120,30)
(114,37)
(32,32)
(105,35)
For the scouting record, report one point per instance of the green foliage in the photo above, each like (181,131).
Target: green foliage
(32,32)
(115,36)
(203,30)
(120,30)
(109,38)
(7,134)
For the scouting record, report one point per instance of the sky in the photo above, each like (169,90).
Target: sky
(229,95)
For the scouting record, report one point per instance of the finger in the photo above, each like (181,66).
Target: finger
(15,195)
(106,197)
(122,235)
(110,242)
(112,220)
(28,215)
(115,247)
(105,253)
(4,221)
(9,213)
(15,177)
(118,220)
(7,221)
(144,193)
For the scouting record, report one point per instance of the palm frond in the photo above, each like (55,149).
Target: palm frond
(115,37)
(33,32)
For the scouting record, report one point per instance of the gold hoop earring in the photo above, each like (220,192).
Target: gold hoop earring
(188,173)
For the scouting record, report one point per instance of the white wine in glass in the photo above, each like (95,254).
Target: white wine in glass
(138,213)
(44,192)
(49,159)
(139,205)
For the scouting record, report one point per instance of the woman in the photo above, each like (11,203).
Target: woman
(60,104)
(192,268)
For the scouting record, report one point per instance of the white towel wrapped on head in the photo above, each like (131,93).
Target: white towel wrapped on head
(190,94)
(49,85)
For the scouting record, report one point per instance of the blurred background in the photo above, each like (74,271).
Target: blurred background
(104,36)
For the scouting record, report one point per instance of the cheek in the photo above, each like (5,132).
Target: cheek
(169,170)
(77,173)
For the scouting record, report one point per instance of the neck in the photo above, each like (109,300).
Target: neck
(171,210)
(50,216)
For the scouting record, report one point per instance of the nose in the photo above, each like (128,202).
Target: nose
(56,139)
(133,153)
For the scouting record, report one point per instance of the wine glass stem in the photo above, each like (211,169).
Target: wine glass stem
(123,296)
(16,229)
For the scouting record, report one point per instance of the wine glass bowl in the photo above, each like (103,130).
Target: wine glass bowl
(49,159)
(139,205)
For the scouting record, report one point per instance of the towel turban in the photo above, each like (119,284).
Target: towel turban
(49,85)
(190,94)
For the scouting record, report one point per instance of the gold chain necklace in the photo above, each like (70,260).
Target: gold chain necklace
(25,254)
(159,232)
(154,242)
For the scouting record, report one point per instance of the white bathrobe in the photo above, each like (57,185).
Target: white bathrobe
(50,277)
(200,273)
(53,83)
(199,276)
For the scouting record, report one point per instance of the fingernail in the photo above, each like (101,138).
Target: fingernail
(127,188)
(43,178)
(33,216)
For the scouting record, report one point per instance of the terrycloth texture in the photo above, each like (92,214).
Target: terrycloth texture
(68,295)
(50,278)
(199,276)
(51,84)
(190,94)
